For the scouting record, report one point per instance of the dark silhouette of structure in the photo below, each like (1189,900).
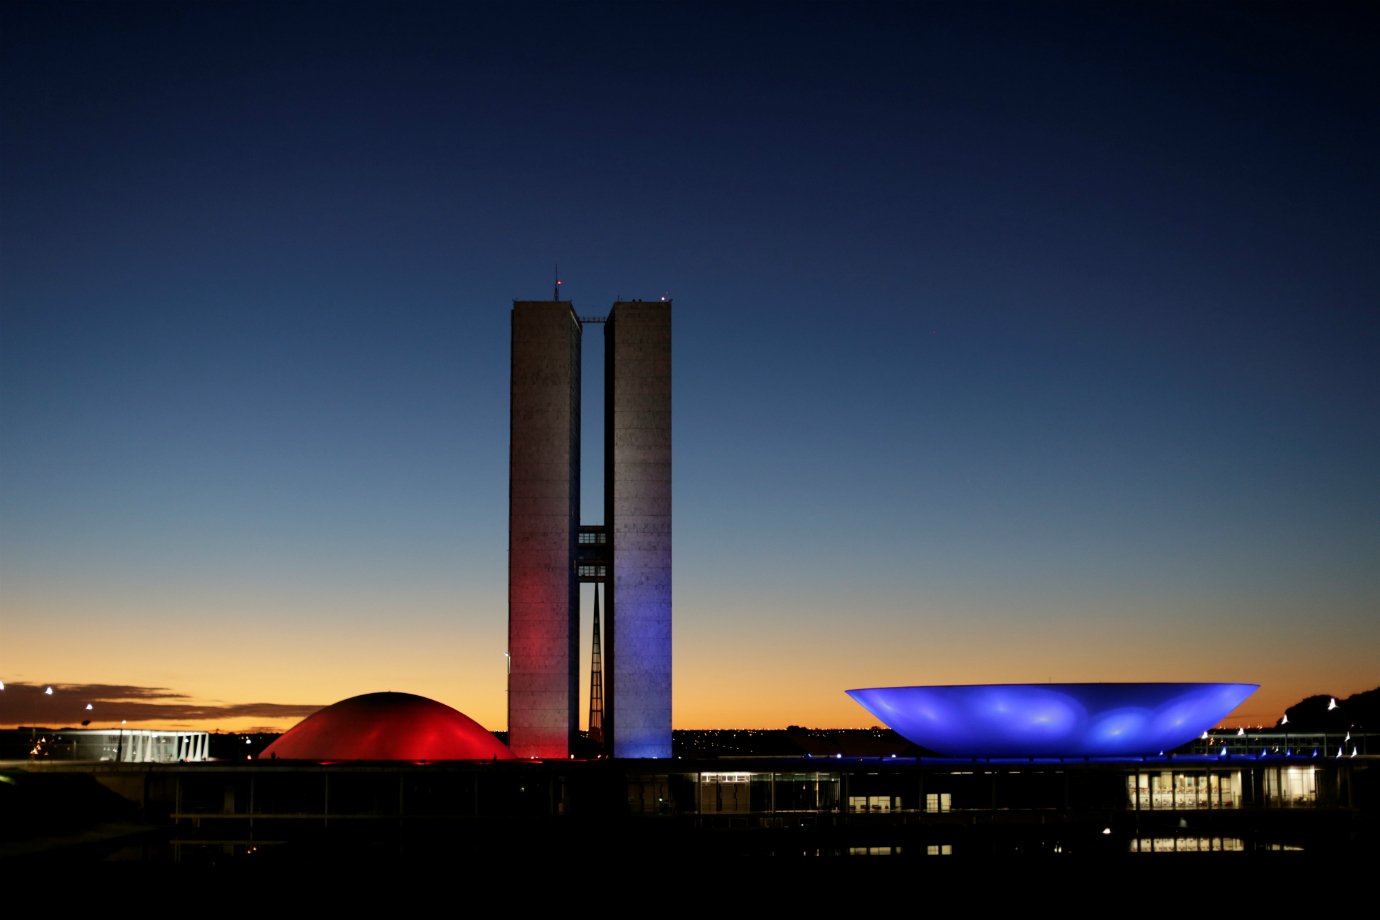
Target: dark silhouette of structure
(596,679)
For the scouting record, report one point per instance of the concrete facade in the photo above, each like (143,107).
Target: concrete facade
(544,569)
(637,512)
(543,524)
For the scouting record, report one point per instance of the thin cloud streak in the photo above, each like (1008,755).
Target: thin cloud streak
(30,704)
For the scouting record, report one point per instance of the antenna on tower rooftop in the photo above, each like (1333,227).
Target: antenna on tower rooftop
(556,288)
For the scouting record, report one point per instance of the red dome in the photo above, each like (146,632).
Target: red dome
(387,726)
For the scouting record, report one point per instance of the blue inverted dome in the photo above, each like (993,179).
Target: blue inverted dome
(1053,720)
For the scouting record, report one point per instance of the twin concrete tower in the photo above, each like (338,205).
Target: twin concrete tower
(550,552)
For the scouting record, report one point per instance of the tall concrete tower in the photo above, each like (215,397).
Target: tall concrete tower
(550,552)
(543,527)
(637,514)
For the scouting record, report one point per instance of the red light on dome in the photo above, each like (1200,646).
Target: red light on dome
(387,726)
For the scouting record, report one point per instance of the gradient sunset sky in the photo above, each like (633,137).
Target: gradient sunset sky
(1012,342)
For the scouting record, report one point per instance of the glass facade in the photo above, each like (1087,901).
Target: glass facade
(1291,787)
(1170,790)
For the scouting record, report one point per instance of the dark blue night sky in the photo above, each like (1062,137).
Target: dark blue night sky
(1013,342)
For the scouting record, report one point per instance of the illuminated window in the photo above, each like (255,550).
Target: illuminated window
(1291,786)
(1167,791)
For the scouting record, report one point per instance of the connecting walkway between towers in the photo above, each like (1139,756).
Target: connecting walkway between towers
(592,554)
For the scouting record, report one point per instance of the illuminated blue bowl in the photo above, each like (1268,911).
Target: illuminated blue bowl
(1053,720)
